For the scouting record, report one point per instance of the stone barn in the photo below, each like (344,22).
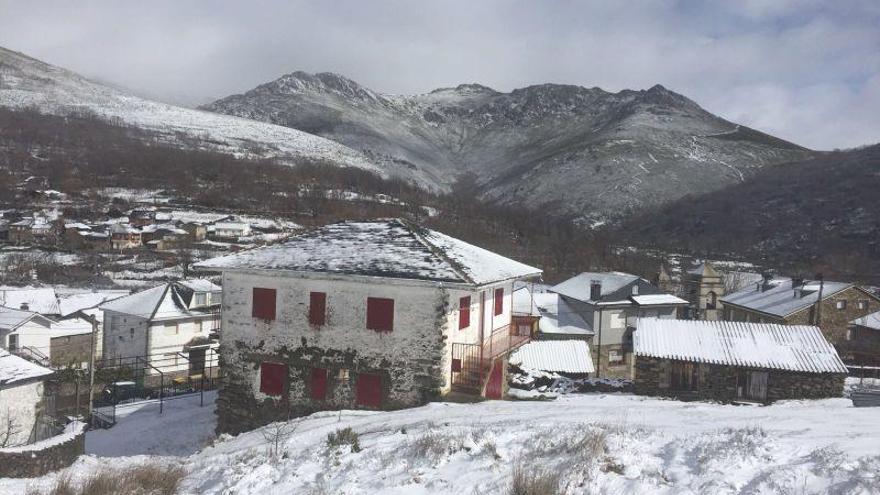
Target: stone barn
(21,399)
(733,361)
(361,315)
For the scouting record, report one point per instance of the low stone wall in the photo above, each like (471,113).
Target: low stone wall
(37,459)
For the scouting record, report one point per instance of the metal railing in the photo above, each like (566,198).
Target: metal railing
(471,363)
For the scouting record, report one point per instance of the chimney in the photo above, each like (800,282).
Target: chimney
(24,306)
(595,290)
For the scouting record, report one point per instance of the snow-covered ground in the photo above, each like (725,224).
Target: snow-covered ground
(597,443)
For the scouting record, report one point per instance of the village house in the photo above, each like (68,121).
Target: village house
(797,302)
(49,343)
(703,289)
(20,231)
(22,386)
(862,344)
(554,318)
(376,315)
(124,236)
(142,217)
(611,303)
(733,361)
(230,230)
(171,327)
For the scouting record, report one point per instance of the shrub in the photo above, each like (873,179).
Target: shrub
(147,479)
(531,480)
(344,436)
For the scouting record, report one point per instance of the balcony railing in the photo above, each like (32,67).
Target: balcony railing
(472,362)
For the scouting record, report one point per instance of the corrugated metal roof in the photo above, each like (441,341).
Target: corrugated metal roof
(650,299)
(14,369)
(870,321)
(561,356)
(780,298)
(755,345)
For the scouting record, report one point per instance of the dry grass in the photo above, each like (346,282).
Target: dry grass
(530,480)
(344,436)
(147,479)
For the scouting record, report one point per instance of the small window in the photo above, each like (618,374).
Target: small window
(342,376)
(380,314)
(614,356)
(171,329)
(263,305)
(319,383)
(849,334)
(273,376)
(841,304)
(317,308)
(863,304)
(201,299)
(499,301)
(464,312)
(635,290)
(369,390)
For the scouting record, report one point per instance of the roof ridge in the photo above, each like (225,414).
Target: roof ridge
(419,233)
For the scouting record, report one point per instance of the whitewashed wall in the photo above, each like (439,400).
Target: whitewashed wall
(168,337)
(20,403)
(124,335)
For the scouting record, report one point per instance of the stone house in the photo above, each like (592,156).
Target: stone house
(611,303)
(862,344)
(703,289)
(21,399)
(361,315)
(20,231)
(124,236)
(172,327)
(733,361)
(797,302)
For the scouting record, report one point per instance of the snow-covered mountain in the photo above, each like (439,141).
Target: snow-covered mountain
(26,82)
(577,150)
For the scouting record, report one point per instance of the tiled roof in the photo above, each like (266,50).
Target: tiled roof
(384,248)
(756,345)
(561,356)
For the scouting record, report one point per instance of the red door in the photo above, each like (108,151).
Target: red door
(319,383)
(369,390)
(494,388)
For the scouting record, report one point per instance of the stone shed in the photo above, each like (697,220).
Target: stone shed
(733,361)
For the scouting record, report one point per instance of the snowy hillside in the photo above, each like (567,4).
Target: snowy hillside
(594,443)
(26,82)
(589,151)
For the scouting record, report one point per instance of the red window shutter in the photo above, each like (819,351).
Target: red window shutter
(319,383)
(456,365)
(499,301)
(464,312)
(273,376)
(263,305)
(369,390)
(317,307)
(380,314)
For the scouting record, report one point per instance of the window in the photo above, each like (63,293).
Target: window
(319,383)
(317,308)
(201,299)
(343,375)
(171,329)
(464,312)
(711,300)
(841,304)
(273,376)
(614,356)
(849,334)
(863,304)
(635,290)
(369,390)
(263,303)
(380,314)
(499,301)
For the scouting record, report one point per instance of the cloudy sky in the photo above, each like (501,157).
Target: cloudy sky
(808,71)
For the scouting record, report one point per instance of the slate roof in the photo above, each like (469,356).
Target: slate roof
(557,317)
(11,318)
(560,356)
(389,248)
(780,298)
(15,370)
(756,345)
(617,287)
(167,301)
(869,321)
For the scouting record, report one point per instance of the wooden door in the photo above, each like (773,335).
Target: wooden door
(757,386)
(196,361)
(495,386)
(369,390)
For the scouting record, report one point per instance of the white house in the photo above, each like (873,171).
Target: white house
(611,303)
(231,230)
(172,326)
(21,399)
(381,314)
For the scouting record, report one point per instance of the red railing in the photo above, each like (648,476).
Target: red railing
(471,363)
(504,339)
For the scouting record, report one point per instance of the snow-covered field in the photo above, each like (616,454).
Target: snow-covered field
(596,443)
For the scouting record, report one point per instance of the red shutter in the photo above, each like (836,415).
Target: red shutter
(464,312)
(319,383)
(317,307)
(499,301)
(380,314)
(273,376)
(263,305)
(369,390)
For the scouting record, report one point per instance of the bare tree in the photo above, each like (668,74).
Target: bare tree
(9,429)
(276,436)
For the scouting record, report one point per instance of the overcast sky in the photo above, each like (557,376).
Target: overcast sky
(808,71)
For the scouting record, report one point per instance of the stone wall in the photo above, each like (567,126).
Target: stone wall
(834,322)
(44,457)
(721,383)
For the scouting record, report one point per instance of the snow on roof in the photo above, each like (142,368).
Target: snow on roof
(163,302)
(649,299)
(69,304)
(578,287)
(71,326)
(385,248)
(869,321)
(200,285)
(557,317)
(561,356)
(188,216)
(780,298)
(757,345)
(11,318)
(142,304)
(41,300)
(14,369)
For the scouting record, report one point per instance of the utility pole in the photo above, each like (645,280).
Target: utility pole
(92,352)
(818,312)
